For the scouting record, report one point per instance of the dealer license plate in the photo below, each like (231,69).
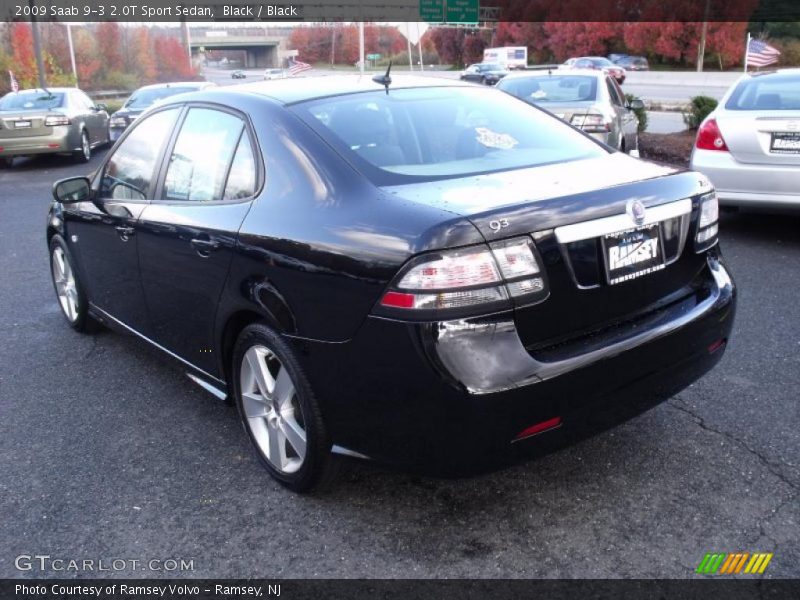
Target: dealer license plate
(632,253)
(785,142)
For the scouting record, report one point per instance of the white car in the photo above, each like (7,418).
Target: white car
(749,146)
(271,74)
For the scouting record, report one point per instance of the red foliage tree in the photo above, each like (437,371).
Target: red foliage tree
(23,61)
(109,39)
(449,45)
(171,59)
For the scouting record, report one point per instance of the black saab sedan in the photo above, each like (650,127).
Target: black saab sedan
(425,273)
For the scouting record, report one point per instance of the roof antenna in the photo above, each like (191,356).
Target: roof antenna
(386,79)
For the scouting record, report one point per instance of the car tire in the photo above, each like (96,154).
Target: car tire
(85,153)
(8,162)
(69,289)
(284,423)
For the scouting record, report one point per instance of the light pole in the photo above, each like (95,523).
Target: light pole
(37,48)
(72,52)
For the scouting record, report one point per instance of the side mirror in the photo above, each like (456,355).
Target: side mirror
(636,104)
(72,190)
(101,106)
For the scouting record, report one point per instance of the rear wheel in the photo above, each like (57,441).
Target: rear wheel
(279,411)
(85,151)
(70,292)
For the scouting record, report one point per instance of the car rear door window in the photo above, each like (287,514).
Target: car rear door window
(242,176)
(202,154)
(128,174)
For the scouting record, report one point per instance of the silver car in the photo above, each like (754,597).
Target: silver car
(589,100)
(52,121)
(749,146)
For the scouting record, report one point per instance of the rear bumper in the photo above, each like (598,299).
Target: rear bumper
(748,184)
(450,398)
(58,141)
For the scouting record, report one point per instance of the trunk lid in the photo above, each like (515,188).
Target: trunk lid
(541,200)
(20,123)
(762,137)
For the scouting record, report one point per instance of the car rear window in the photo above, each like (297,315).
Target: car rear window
(32,101)
(771,92)
(552,88)
(145,98)
(419,134)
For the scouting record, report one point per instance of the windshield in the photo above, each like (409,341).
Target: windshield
(552,88)
(423,134)
(601,62)
(489,67)
(773,92)
(31,100)
(144,98)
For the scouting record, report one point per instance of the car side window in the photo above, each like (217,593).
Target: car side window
(242,176)
(614,94)
(201,156)
(128,174)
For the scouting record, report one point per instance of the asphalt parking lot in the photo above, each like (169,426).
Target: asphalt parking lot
(108,451)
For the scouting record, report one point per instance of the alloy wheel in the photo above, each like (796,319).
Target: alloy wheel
(66,287)
(272,410)
(85,148)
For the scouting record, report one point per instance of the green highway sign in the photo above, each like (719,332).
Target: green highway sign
(431,11)
(373,56)
(462,11)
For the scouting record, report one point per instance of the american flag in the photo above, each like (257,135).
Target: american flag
(761,54)
(14,82)
(295,66)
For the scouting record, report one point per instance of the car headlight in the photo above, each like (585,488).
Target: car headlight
(118,122)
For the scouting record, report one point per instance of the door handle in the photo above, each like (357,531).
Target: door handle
(124,232)
(204,246)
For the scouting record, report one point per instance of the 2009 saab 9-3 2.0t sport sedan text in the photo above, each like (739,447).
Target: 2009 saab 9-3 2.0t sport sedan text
(425,273)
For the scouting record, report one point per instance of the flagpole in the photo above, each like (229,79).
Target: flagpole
(746,50)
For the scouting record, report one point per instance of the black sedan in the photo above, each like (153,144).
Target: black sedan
(425,273)
(485,73)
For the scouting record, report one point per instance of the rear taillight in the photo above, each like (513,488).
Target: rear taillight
(457,282)
(707,222)
(709,137)
(591,123)
(55,120)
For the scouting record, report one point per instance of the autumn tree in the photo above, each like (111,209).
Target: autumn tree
(171,60)
(22,56)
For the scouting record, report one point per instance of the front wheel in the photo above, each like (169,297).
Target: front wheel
(279,411)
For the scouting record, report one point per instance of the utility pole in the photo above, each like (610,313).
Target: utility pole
(37,47)
(701,47)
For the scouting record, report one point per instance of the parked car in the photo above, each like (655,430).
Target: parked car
(238,74)
(749,146)
(599,63)
(485,73)
(147,96)
(436,277)
(51,121)
(589,100)
(271,74)
(633,63)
